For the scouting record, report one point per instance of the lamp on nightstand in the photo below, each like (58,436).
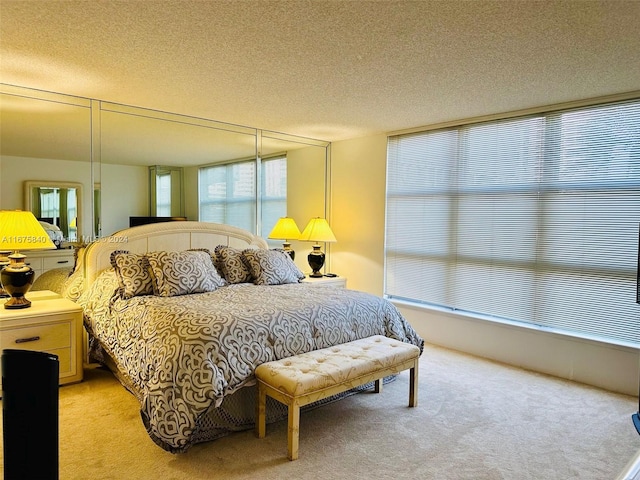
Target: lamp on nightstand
(286,229)
(317,230)
(20,230)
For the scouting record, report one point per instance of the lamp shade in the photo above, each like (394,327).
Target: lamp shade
(317,230)
(20,230)
(285,229)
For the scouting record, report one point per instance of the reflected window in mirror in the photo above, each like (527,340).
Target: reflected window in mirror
(57,205)
(229,194)
(167,194)
(273,194)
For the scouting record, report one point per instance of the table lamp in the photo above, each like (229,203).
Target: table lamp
(286,229)
(317,230)
(20,230)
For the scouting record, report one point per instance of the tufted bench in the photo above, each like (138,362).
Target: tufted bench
(302,379)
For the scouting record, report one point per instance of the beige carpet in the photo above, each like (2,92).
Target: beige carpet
(475,420)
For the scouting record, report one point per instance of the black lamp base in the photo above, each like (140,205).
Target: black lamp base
(316,261)
(286,246)
(17,278)
(17,302)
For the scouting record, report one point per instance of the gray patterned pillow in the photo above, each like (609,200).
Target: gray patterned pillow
(271,267)
(232,265)
(182,273)
(132,271)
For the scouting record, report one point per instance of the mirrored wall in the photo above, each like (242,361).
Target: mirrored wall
(115,153)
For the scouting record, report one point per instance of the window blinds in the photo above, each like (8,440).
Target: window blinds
(529,219)
(273,192)
(228,193)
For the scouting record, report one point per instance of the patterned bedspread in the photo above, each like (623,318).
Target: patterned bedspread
(186,353)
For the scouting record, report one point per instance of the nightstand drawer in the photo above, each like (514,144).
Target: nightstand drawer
(39,337)
(49,263)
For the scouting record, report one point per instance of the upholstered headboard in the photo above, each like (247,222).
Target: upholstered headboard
(168,236)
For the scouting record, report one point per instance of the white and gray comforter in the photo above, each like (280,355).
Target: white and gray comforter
(184,354)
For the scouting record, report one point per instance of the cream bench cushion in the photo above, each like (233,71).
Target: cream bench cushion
(302,379)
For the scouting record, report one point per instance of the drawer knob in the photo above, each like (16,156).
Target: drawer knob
(26,340)
(63,261)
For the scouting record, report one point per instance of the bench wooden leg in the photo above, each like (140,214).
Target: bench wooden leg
(261,412)
(293,436)
(378,386)
(413,385)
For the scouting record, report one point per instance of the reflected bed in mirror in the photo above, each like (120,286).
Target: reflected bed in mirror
(58,206)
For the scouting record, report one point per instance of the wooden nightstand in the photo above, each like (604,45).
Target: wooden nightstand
(327,281)
(52,324)
(44,260)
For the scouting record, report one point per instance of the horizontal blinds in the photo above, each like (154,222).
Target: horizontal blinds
(532,219)
(273,194)
(227,194)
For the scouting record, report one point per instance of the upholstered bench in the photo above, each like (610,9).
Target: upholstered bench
(302,379)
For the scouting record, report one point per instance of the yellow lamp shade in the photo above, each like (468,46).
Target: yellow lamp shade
(285,228)
(20,230)
(317,230)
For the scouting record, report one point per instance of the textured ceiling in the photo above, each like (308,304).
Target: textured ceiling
(324,69)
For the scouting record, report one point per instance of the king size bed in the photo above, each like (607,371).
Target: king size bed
(184,312)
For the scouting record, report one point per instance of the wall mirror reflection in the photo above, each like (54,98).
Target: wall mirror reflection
(113,151)
(58,206)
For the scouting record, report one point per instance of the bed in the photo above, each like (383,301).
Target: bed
(184,312)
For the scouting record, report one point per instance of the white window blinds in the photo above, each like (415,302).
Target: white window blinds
(228,193)
(273,192)
(531,219)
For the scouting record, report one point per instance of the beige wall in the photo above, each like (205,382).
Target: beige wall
(125,193)
(358,179)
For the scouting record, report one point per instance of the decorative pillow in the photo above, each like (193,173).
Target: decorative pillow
(132,270)
(232,265)
(73,285)
(182,273)
(271,267)
(78,258)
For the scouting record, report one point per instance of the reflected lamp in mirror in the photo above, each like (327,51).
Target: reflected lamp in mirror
(20,230)
(286,229)
(319,231)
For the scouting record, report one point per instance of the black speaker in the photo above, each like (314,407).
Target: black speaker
(30,414)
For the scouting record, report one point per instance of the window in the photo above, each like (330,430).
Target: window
(530,219)
(273,194)
(163,195)
(228,193)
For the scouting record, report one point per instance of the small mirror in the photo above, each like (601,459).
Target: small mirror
(58,206)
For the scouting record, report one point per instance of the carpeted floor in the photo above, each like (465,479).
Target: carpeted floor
(475,420)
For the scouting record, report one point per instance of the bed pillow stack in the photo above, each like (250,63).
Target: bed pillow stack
(257,265)
(165,274)
(271,267)
(231,264)
(182,273)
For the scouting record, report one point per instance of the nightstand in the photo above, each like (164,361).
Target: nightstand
(52,324)
(44,260)
(327,281)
